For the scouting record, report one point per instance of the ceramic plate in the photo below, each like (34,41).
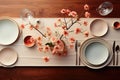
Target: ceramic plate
(95,53)
(8,56)
(9,31)
(98,27)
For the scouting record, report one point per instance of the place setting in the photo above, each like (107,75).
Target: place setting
(59,41)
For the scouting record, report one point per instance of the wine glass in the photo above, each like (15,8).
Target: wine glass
(27,15)
(105,8)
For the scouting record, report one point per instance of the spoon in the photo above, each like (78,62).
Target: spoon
(117,51)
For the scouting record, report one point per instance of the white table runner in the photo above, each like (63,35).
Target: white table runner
(32,57)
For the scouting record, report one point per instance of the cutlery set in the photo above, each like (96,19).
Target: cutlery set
(116,50)
(77,44)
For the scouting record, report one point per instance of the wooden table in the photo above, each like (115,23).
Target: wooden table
(51,8)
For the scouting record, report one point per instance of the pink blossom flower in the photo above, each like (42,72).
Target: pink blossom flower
(64,27)
(72,40)
(53,39)
(85,23)
(63,11)
(48,29)
(65,33)
(22,26)
(46,59)
(77,30)
(86,33)
(87,14)
(46,48)
(39,38)
(37,26)
(73,14)
(40,49)
(86,7)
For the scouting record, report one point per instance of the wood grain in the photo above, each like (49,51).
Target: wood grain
(51,8)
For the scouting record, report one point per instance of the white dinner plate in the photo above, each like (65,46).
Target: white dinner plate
(8,57)
(9,31)
(95,53)
(98,27)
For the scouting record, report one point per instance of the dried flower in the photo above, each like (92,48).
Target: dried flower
(77,30)
(87,14)
(46,59)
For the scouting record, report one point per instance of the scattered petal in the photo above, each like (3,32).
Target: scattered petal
(86,7)
(46,48)
(87,14)
(85,23)
(73,14)
(63,11)
(46,59)
(40,49)
(77,30)
(86,33)
(65,33)
(22,26)
(37,26)
(72,40)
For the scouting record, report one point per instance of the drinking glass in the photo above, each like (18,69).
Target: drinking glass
(105,8)
(27,15)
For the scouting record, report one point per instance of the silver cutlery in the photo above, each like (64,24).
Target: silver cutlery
(113,48)
(76,50)
(117,49)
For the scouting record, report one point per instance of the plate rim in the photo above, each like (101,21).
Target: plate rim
(11,65)
(96,66)
(98,20)
(18,33)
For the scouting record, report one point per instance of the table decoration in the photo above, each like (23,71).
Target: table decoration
(56,40)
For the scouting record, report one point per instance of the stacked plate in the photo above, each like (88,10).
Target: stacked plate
(95,53)
(9,32)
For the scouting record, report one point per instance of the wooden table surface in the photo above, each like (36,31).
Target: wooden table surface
(51,8)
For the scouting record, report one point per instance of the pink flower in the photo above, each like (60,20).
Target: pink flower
(46,48)
(73,14)
(37,26)
(87,14)
(85,23)
(86,7)
(22,26)
(65,33)
(72,40)
(63,11)
(64,27)
(46,59)
(48,32)
(86,33)
(40,49)
(39,38)
(53,39)
(77,30)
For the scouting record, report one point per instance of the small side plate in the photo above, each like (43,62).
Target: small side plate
(8,57)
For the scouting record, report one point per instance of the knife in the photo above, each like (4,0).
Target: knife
(76,49)
(113,48)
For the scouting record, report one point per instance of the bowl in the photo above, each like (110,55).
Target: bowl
(29,41)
